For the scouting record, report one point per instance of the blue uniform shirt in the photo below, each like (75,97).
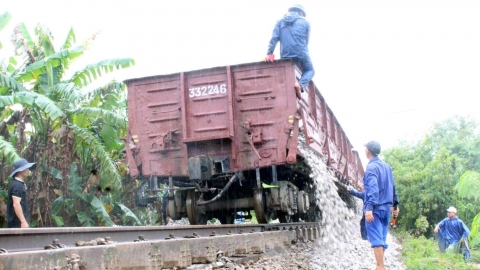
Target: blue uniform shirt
(380,191)
(453,230)
(293,32)
(360,195)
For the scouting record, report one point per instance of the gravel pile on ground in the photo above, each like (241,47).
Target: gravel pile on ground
(183,221)
(294,257)
(354,254)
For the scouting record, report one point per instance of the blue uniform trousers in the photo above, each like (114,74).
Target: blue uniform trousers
(377,229)
(307,70)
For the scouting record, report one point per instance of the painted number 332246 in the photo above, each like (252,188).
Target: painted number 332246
(207,90)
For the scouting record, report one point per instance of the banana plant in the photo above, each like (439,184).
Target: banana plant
(63,121)
(94,210)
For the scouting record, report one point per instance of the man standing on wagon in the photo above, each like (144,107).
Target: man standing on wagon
(293,32)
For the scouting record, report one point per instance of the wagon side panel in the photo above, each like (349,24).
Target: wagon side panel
(157,123)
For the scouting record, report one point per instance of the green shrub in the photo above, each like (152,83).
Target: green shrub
(421,225)
(422,254)
(475,233)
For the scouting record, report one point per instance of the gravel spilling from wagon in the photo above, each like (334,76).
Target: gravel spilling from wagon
(336,217)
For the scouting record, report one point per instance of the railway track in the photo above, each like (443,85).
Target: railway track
(160,247)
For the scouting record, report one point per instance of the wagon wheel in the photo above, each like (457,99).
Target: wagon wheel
(263,214)
(195,214)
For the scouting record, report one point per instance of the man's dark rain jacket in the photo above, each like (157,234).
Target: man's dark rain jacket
(293,32)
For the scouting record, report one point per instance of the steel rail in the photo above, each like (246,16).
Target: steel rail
(19,240)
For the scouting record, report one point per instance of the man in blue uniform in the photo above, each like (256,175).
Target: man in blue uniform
(450,231)
(293,32)
(380,196)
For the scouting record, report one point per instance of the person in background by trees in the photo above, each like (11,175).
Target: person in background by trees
(450,231)
(293,32)
(380,196)
(18,212)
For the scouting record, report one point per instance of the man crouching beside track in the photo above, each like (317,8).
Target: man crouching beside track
(451,231)
(380,196)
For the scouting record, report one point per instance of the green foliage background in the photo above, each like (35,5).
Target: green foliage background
(439,171)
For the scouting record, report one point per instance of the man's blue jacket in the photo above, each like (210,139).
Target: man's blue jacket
(453,230)
(293,32)
(379,186)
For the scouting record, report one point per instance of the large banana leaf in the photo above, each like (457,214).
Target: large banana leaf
(91,72)
(111,87)
(107,116)
(26,37)
(45,39)
(11,65)
(7,151)
(30,99)
(69,41)
(84,219)
(63,57)
(75,182)
(66,92)
(129,215)
(58,221)
(101,95)
(110,136)
(7,82)
(57,205)
(98,209)
(86,139)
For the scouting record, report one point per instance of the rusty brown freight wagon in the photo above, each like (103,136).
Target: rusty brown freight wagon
(216,136)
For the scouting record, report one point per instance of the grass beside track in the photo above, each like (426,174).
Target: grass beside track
(422,253)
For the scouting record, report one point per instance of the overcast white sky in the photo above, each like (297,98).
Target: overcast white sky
(388,69)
